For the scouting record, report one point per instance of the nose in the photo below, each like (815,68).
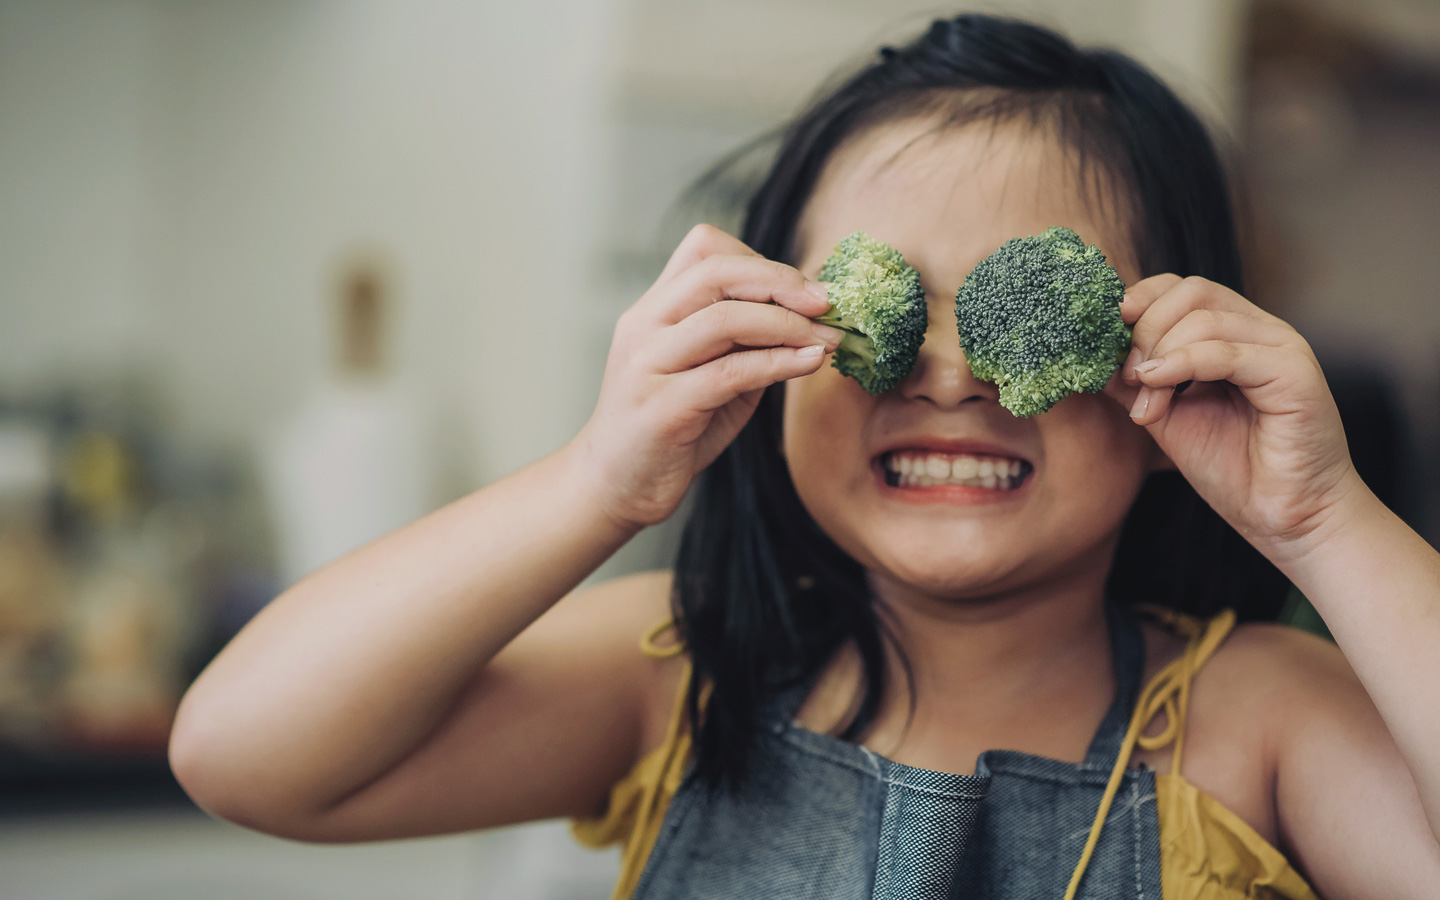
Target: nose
(941,374)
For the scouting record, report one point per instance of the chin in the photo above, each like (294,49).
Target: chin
(958,578)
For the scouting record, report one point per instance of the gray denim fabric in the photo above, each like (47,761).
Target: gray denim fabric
(829,820)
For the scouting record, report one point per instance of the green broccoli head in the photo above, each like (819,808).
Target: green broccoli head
(1040,318)
(876,299)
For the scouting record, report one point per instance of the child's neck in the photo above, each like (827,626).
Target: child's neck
(999,641)
(1028,669)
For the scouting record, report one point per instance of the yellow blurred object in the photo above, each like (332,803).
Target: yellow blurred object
(98,474)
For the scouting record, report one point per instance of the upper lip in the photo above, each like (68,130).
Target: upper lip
(953,446)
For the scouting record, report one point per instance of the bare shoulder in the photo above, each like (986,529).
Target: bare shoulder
(1278,675)
(1262,687)
(1264,677)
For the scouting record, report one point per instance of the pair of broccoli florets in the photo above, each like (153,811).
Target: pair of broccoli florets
(1040,317)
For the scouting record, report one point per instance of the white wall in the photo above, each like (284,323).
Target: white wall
(73,157)
(455,136)
(179,180)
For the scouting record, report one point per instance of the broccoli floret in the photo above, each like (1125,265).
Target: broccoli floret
(876,299)
(1040,318)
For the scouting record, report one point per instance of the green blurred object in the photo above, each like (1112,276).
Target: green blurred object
(1298,613)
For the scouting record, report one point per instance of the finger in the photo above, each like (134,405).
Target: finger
(1206,324)
(1164,311)
(730,277)
(701,242)
(1141,294)
(730,324)
(1119,391)
(1253,368)
(733,375)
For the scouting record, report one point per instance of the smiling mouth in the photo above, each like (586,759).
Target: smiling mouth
(916,470)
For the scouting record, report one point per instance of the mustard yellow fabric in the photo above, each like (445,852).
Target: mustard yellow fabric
(1206,851)
(638,801)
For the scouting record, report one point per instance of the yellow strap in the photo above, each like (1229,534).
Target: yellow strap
(650,793)
(633,856)
(650,648)
(1169,691)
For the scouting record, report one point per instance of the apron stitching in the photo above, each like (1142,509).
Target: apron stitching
(1135,807)
(1130,805)
(874,770)
(871,758)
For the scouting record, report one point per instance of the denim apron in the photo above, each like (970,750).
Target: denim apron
(828,820)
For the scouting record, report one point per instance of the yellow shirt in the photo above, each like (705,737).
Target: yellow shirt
(1207,852)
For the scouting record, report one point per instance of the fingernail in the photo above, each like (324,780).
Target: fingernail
(1149,365)
(830,337)
(1125,298)
(818,289)
(1127,373)
(809,352)
(1142,403)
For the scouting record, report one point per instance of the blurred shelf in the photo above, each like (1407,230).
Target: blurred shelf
(34,783)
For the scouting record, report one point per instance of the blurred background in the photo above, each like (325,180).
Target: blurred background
(276,277)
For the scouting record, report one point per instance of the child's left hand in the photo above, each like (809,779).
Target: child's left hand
(1257,434)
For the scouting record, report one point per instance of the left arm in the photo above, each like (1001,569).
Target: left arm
(1258,436)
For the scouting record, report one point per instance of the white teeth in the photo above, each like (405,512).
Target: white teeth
(914,470)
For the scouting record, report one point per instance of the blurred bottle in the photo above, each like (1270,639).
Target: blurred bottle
(353,462)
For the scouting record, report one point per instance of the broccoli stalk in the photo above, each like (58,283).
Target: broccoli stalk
(1040,318)
(876,299)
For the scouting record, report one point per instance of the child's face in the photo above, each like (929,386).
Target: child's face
(946,201)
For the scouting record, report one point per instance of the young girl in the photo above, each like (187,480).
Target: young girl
(877,685)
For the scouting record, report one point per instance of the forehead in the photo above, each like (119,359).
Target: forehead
(948,197)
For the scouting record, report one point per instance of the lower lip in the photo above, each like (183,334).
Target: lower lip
(952,494)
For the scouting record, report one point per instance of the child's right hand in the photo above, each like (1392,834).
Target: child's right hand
(687,366)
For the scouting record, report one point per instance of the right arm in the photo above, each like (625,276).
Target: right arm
(433,680)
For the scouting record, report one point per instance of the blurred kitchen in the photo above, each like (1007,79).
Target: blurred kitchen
(278,277)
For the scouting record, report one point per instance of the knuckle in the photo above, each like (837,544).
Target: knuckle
(701,234)
(782,272)
(1156,285)
(1202,320)
(625,326)
(732,367)
(1143,334)
(716,268)
(720,316)
(1164,282)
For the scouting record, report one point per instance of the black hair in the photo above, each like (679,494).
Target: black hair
(762,596)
